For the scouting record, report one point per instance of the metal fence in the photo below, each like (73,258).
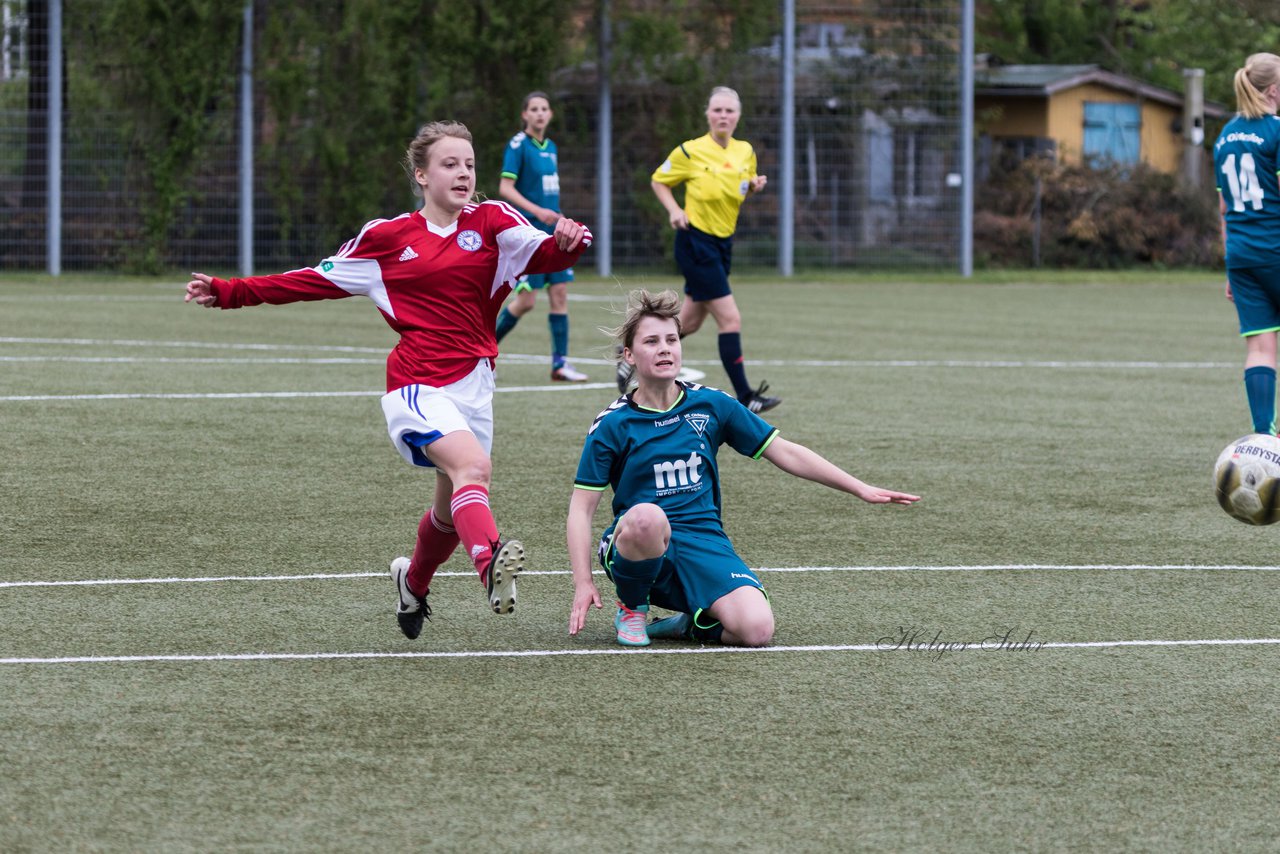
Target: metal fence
(876,130)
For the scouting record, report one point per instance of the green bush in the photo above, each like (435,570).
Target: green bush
(1093,217)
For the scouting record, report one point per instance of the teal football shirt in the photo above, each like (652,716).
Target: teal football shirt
(669,458)
(1244,165)
(533,166)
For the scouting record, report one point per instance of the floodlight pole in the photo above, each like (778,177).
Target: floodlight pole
(604,163)
(53,157)
(787,156)
(246,142)
(966,139)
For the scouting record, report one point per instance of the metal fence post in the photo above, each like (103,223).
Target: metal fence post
(53,222)
(246,143)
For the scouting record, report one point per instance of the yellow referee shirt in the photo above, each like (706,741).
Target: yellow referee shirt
(715,181)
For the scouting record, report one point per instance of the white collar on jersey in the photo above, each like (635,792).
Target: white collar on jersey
(438,231)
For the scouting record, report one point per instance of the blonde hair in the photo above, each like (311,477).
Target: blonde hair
(642,304)
(1260,71)
(418,155)
(724,90)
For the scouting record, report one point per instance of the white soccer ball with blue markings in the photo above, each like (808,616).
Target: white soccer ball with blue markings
(1247,478)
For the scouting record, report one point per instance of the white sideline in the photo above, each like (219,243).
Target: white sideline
(547,653)
(237,395)
(524,357)
(1006,567)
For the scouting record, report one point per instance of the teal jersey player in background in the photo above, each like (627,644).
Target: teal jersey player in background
(1245,160)
(531,181)
(656,449)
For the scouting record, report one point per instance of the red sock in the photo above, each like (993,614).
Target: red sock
(436,541)
(474,521)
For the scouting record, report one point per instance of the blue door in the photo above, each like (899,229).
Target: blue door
(1112,132)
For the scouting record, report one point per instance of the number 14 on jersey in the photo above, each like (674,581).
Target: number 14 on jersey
(1243,183)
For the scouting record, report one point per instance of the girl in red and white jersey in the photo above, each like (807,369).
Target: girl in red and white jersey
(439,276)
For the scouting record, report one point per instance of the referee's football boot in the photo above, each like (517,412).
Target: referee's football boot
(500,577)
(630,624)
(759,402)
(411,609)
(625,371)
(675,627)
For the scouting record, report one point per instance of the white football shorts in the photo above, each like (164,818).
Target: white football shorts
(417,415)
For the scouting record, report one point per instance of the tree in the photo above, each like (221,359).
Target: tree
(1153,40)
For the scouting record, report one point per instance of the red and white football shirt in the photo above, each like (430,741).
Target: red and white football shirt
(439,288)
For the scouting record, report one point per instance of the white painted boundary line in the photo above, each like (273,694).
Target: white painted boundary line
(190,360)
(539,359)
(1011,567)
(548,653)
(194,345)
(236,395)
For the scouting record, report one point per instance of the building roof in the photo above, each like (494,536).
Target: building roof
(1045,80)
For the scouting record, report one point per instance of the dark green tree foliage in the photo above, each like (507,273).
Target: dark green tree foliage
(347,83)
(1150,39)
(340,93)
(667,55)
(171,67)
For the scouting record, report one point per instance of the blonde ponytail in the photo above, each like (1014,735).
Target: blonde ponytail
(1260,71)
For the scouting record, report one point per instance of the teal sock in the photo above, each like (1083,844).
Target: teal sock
(634,578)
(1260,386)
(559,324)
(506,322)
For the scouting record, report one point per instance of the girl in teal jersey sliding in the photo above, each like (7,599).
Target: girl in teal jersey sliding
(656,449)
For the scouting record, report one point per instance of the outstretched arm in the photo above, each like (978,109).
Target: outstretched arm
(582,509)
(798,460)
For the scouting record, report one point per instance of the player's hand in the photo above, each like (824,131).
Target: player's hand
(547,216)
(200,290)
(876,495)
(568,234)
(583,598)
(679,220)
(757,183)
(1226,291)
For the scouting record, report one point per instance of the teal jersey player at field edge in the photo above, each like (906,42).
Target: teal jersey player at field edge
(531,181)
(656,449)
(1245,160)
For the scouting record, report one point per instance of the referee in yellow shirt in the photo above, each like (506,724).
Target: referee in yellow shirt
(718,172)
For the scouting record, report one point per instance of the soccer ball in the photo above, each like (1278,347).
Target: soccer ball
(1247,477)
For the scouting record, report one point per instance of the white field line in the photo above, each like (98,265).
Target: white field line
(177,297)
(1009,567)
(542,359)
(193,345)
(230,395)
(165,360)
(548,653)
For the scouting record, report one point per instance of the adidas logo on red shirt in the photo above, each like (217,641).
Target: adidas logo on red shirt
(408,254)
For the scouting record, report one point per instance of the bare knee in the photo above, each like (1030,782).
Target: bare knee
(523,303)
(558,298)
(478,470)
(643,532)
(755,630)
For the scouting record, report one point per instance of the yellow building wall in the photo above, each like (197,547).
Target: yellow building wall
(1012,116)
(1061,117)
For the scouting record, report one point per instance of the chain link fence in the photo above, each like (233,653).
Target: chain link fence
(876,133)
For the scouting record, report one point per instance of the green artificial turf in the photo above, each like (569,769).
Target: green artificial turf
(1061,428)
